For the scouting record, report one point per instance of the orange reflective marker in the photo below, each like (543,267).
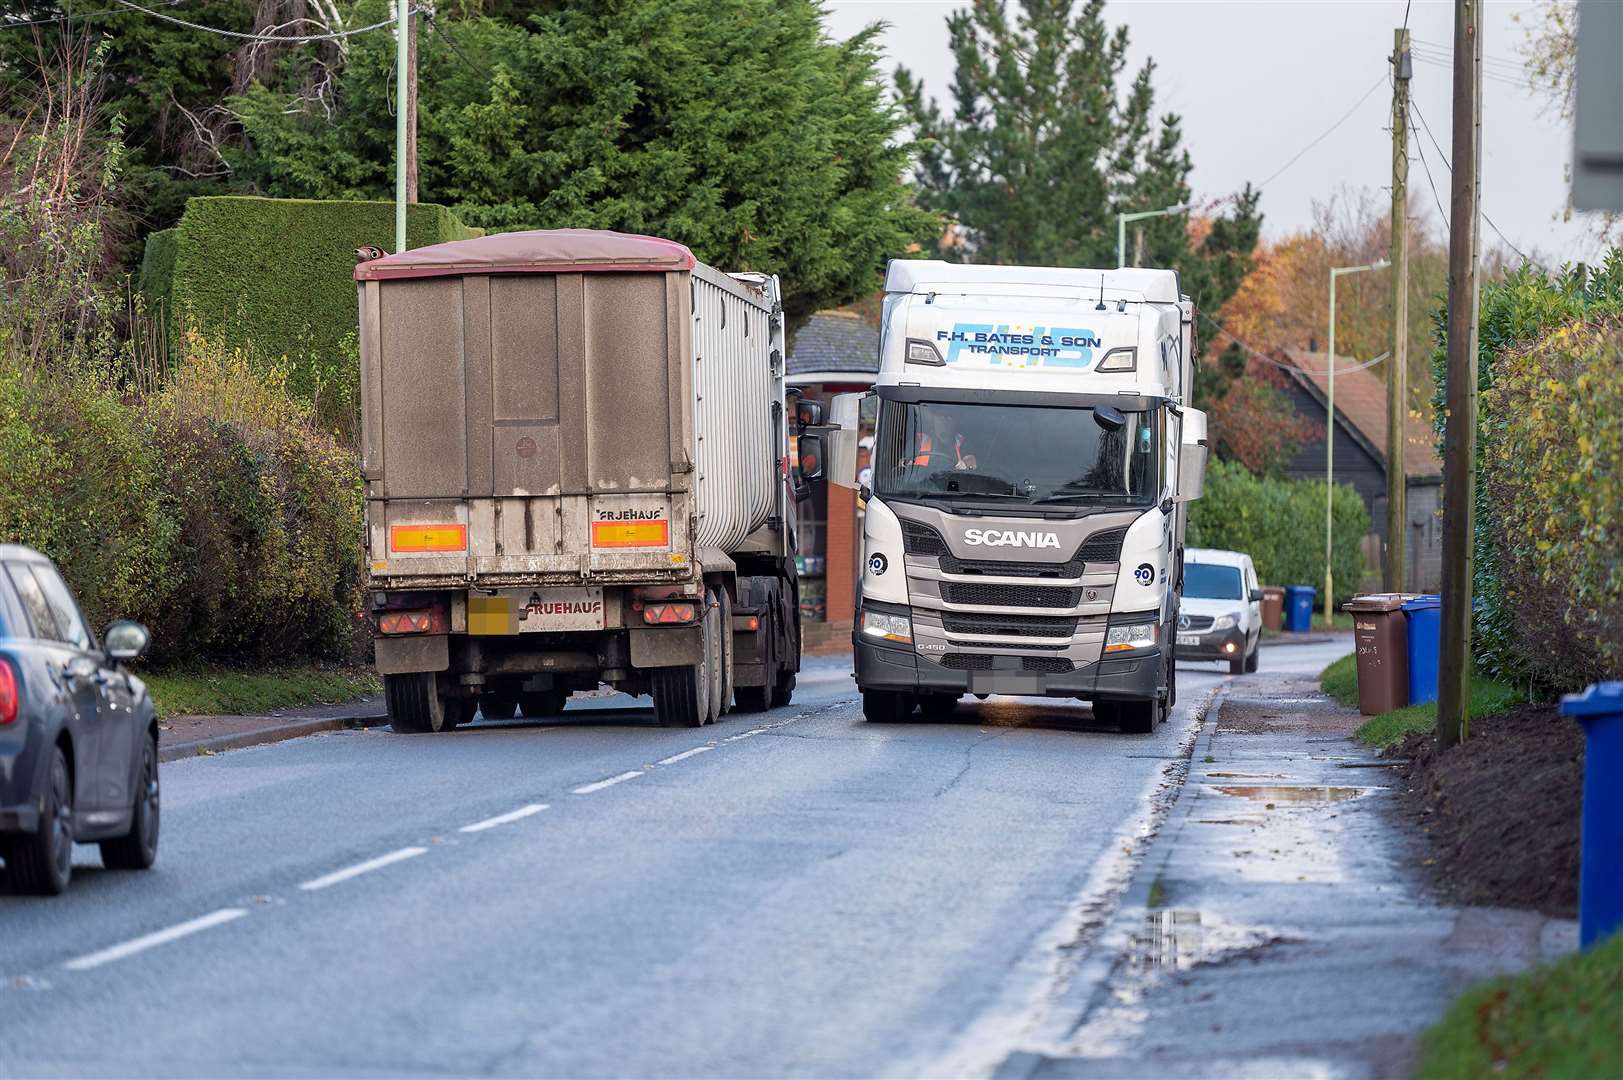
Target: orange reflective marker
(428,538)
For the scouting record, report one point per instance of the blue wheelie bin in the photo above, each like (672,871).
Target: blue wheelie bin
(1299,608)
(1600,877)
(1425,633)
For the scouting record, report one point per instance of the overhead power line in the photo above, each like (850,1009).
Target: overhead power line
(1327,133)
(284,39)
(1257,354)
(1446,164)
(69,16)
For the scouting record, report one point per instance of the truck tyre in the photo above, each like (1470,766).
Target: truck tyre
(495,706)
(416,707)
(682,696)
(539,704)
(887,706)
(938,706)
(784,690)
(1138,717)
(724,643)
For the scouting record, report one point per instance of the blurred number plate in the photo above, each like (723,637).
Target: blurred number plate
(1188,639)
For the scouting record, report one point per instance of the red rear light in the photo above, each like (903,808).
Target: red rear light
(421,621)
(8,693)
(681,612)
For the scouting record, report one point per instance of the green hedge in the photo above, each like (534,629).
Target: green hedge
(155,279)
(276,277)
(1515,312)
(1280,524)
(213,510)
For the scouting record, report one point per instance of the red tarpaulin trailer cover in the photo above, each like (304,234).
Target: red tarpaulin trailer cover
(540,251)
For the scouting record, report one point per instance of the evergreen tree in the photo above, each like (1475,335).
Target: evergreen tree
(734,126)
(1041,152)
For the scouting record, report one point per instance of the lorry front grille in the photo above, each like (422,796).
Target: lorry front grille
(921,540)
(1024,596)
(1006,645)
(1067,570)
(958,622)
(983,662)
(1103,547)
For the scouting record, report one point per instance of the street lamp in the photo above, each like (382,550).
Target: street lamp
(1123,219)
(1330,437)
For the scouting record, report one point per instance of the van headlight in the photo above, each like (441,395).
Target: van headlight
(1225,622)
(1128,638)
(887,627)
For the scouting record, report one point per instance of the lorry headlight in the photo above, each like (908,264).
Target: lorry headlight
(1128,638)
(887,627)
(1225,622)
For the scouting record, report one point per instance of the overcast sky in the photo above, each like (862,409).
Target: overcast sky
(1257,82)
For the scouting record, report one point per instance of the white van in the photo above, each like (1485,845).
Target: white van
(1221,614)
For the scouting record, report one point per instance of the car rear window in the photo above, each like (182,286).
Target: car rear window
(35,606)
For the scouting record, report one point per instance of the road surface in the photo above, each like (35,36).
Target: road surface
(791,893)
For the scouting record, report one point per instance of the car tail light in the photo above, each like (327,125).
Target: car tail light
(670,613)
(9,702)
(419,621)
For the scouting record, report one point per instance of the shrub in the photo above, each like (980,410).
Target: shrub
(1552,484)
(1514,312)
(1280,524)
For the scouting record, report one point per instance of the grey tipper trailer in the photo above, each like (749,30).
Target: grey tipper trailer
(575,448)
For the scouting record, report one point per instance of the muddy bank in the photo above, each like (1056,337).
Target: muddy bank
(1501,811)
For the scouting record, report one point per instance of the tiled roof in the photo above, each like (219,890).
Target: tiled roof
(836,341)
(1361,402)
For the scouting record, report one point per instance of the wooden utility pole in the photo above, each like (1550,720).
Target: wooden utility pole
(411,108)
(1397,364)
(1459,436)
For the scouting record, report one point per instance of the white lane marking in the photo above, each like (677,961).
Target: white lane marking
(684,755)
(745,734)
(156,938)
(587,789)
(363,868)
(504,819)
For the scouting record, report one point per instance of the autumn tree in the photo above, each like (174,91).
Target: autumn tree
(1043,146)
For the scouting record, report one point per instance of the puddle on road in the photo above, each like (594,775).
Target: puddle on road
(1280,793)
(1252,821)
(1173,939)
(1245,776)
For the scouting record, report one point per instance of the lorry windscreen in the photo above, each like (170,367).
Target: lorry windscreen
(1033,454)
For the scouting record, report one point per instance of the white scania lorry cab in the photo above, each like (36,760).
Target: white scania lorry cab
(1033,456)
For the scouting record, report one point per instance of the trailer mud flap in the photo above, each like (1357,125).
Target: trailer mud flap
(405,655)
(666,646)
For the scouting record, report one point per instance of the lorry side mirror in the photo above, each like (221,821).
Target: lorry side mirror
(845,417)
(1191,455)
(1108,418)
(811,456)
(808,414)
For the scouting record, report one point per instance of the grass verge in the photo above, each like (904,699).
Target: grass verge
(1557,1020)
(224,692)
(1339,681)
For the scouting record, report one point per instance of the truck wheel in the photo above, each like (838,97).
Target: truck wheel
(887,706)
(1138,717)
(538,704)
(938,706)
(682,696)
(497,706)
(416,707)
(724,643)
(783,691)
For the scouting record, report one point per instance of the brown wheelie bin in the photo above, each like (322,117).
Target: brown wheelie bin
(1381,635)
(1273,607)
